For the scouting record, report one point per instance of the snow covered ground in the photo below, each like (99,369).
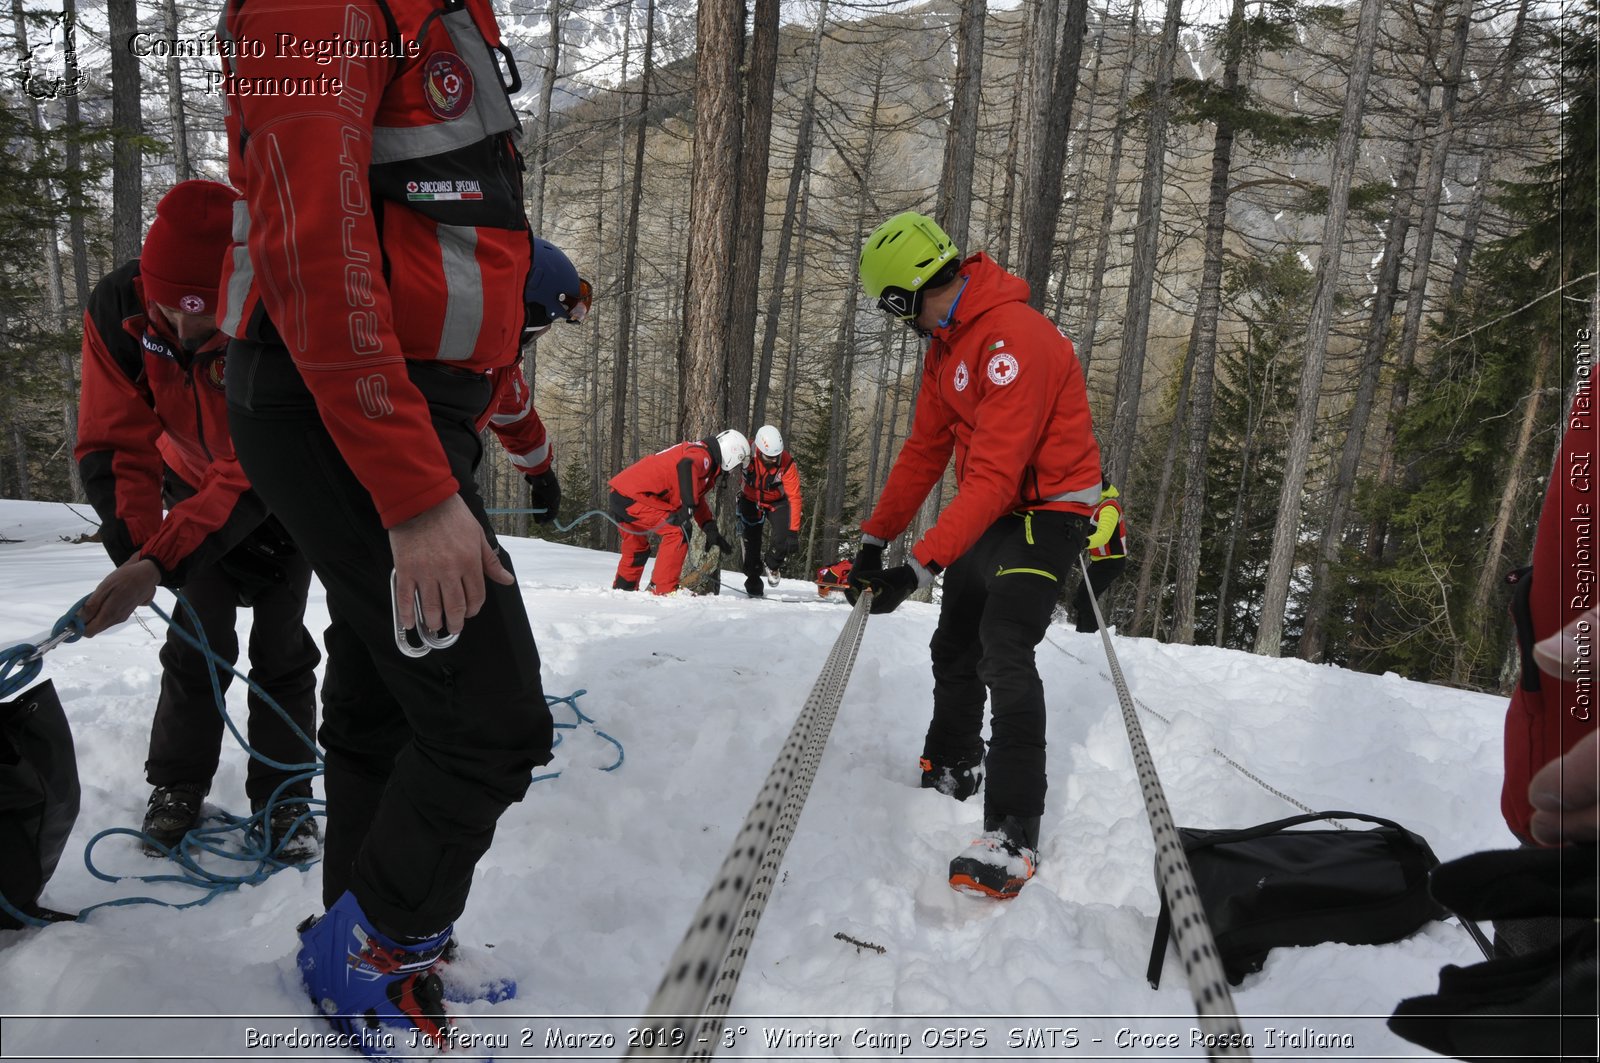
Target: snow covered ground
(593,878)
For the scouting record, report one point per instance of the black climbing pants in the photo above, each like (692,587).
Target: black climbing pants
(998,598)
(423,753)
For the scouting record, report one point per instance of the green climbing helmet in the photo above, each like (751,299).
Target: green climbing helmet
(901,258)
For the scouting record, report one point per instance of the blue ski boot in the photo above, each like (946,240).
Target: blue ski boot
(380,993)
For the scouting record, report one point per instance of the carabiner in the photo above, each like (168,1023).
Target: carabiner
(402,634)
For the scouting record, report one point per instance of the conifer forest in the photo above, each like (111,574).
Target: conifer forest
(1330,269)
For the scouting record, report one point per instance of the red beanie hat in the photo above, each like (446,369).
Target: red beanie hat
(181,262)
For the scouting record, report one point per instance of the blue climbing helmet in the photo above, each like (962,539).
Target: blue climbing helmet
(554,290)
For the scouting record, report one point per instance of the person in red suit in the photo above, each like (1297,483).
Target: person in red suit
(665,495)
(1001,391)
(771,494)
(153,436)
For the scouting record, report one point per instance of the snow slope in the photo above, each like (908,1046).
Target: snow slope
(593,878)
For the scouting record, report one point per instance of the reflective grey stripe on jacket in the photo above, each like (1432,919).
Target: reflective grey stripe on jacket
(463,308)
(244,273)
(489,114)
(1088,496)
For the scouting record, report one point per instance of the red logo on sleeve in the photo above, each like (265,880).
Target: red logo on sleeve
(447,84)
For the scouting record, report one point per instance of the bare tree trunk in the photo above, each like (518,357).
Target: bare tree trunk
(1081,180)
(1001,220)
(953,207)
(127,129)
(1286,530)
(55,288)
(760,70)
(1043,208)
(1313,640)
(712,199)
(536,146)
(1141,277)
(843,368)
(791,359)
(623,370)
(180,121)
(74,165)
(1203,343)
(797,171)
(1489,572)
(1108,203)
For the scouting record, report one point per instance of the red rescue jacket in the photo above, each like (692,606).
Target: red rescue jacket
(671,479)
(767,485)
(1002,388)
(147,407)
(516,423)
(1543,723)
(382,221)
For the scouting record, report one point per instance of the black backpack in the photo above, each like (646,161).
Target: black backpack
(1267,886)
(38,800)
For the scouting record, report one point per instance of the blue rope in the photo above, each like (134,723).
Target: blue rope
(255,848)
(20,664)
(579,717)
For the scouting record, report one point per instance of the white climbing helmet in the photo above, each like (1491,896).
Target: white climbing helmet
(769,441)
(735,449)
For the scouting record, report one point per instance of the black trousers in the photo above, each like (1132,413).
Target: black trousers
(998,598)
(751,522)
(423,754)
(1101,575)
(186,734)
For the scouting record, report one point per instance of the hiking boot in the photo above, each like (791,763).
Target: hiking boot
(959,781)
(752,586)
(173,812)
(373,989)
(292,833)
(1000,861)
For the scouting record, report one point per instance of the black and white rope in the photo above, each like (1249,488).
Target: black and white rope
(1190,932)
(703,973)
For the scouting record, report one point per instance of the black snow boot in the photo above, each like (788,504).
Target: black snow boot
(959,780)
(173,811)
(999,862)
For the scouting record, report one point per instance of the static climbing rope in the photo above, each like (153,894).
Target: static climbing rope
(1190,931)
(704,971)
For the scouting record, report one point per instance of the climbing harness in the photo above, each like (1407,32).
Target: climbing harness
(703,973)
(1208,983)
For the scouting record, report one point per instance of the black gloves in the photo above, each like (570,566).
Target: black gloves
(683,520)
(889,586)
(714,539)
(869,560)
(544,492)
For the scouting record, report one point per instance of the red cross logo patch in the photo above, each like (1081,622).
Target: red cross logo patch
(1002,369)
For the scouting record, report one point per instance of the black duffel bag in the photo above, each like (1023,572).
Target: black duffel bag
(38,801)
(1267,886)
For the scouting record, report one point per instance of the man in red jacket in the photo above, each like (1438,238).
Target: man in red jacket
(1002,389)
(771,491)
(665,495)
(153,431)
(376,290)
